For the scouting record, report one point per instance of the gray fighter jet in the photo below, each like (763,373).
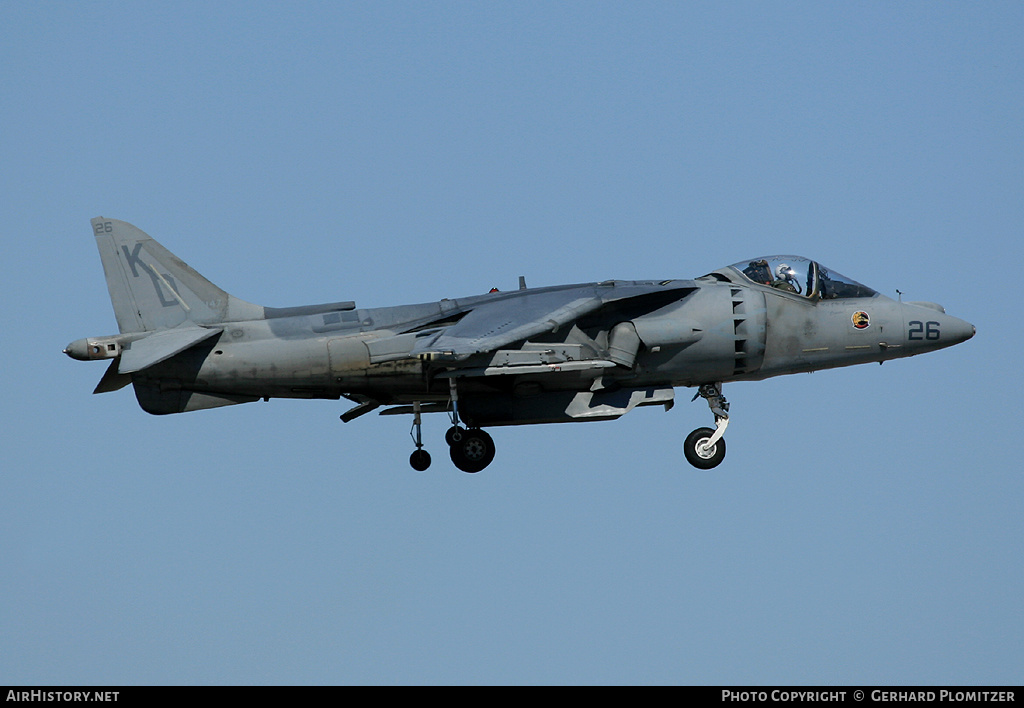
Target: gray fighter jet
(559,354)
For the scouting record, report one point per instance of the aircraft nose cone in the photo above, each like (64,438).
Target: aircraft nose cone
(930,328)
(955,330)
(960,330)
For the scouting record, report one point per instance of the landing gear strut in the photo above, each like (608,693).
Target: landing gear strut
(471,450)
(705,448)
(420,459)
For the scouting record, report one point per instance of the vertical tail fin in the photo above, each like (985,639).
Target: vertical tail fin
(152,289)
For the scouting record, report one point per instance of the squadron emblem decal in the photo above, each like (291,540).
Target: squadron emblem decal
(861,320)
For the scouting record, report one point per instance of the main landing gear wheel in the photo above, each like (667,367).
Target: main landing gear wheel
(473,451)
(698,454)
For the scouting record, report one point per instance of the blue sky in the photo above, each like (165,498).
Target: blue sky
(866,526)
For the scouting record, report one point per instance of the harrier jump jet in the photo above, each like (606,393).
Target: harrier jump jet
(558,354)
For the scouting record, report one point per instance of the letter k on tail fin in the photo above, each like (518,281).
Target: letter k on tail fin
(152,289)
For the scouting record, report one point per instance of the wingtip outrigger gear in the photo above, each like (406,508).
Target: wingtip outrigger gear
(420,458)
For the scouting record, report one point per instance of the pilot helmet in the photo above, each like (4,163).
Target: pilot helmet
(784,272)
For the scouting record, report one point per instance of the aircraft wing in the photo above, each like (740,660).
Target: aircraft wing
(499,323)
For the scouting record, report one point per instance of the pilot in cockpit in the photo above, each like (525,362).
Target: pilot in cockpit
(786,279)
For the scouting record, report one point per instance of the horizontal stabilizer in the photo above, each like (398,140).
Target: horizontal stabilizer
(156,347)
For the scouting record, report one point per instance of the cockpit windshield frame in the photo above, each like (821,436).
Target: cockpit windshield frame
(803,277)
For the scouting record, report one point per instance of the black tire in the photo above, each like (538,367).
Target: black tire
(473,452)
(703,460)
(420,460)
(453,433)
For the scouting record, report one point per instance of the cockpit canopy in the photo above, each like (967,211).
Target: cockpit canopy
(802,276)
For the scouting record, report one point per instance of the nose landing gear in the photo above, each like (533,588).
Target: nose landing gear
(705,448)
